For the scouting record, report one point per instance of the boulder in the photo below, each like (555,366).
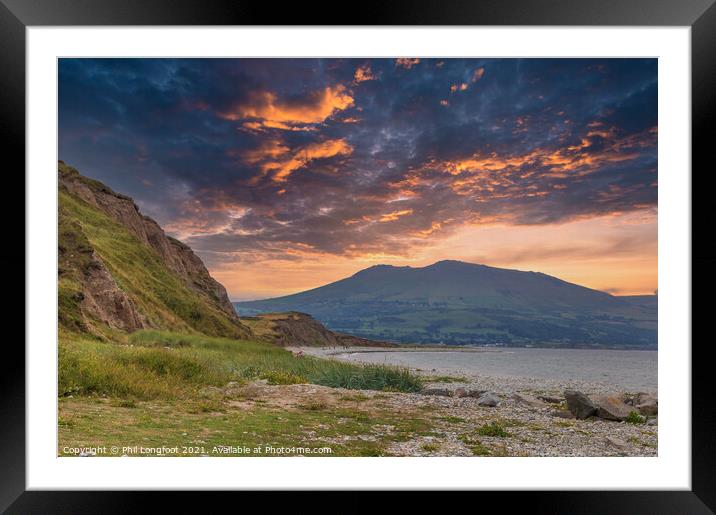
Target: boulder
(579,404)
(612,407)
(488,399)
(647,404)
(529,400)
(652,422)
(629,398)
(441,392)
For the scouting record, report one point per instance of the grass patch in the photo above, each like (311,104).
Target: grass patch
(283,377)
(358,397)
(452,420)
(429,447)
(564,423)
(445,379)
(492,429)
(314,406)
(348,432)
(476,446)
(635,418)
(123,403)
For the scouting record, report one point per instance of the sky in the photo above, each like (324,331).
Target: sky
(287,174)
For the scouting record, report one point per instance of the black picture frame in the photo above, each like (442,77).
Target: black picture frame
(700,15)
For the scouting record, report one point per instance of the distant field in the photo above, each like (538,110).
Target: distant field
(458,325)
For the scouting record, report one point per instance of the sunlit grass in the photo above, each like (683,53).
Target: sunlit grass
(160,364)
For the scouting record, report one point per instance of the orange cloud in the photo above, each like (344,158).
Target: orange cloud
(496,176)
(434,227)
(269,149)
(304,155)
(407,62)
(271,112)
(391,217)
(363,73)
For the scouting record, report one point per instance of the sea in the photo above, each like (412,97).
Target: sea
(629,369)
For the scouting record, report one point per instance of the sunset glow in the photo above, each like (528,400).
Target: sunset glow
(287,174)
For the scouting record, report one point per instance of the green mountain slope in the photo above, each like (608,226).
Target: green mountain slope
(456,302)
(111,280)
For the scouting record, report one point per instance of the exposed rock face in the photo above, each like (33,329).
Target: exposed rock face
(177,256)
(579,404)
(104,300)
(193,268)
(92,289)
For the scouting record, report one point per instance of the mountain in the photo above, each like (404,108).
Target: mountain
(461,303)
(118,271)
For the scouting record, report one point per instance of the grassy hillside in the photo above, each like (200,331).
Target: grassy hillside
(159,294)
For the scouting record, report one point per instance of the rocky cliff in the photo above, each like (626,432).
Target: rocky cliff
(118,268)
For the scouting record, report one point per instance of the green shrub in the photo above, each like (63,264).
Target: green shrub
(635,418)
(282,377)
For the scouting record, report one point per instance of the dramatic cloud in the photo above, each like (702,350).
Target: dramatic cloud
(302,157)
(285,162)
(271,112)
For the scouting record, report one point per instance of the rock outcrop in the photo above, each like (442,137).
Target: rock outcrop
(611,407)
(294,329)
(106,302)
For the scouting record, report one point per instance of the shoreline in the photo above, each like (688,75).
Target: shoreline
(499,383)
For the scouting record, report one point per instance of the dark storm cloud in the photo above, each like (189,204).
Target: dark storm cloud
(250,157)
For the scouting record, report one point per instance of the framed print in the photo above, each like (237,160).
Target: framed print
(422,251)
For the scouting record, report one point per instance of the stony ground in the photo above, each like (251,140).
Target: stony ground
(535,427)
(352,423)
